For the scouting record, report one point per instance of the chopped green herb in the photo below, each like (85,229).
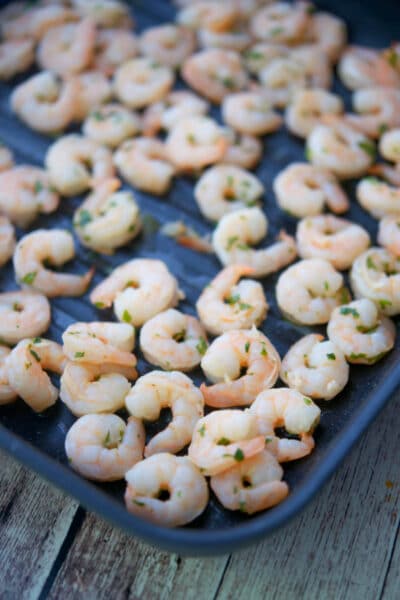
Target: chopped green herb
(276,31)
(308,154)
(344,296)
(347,310)
(138,502)
(37,340)
(268,440)
(228,82)
(121,435)
(368,147)
(242,506)
(363,329)
(372,179)
(28,365)
(307,401)
(239,455)
(132,228)
(331,356)
(370,263)
(247,346)
(202,430)
(79,354)
(354,356)
(253,55)
(29,278)
(231,241)
(84,217)
(201,346)
(223,441)
(382,128)
(107,439)
(99,304)
(179,336)
(326,285)
(34,354)
(191,138)
(126,317)
(244,306)
(232,299)
(392,57)
(38,187)
(384,303)
(230,181)
(263,351)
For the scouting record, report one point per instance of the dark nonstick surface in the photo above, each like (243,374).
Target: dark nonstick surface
(38,440)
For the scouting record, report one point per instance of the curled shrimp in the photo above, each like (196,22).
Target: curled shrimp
(236,232)
(95,388)
(100,343)
(142,81)
(212,15)
(303,190)
(113,48)
(281,22)
(224,361)
(173,108)
(68,48)
(252,485)
(283,407)
(337,146)
(23,315)
(94,89)
(227,303)
(336,240)
(104,447)
(361,332)
(377,108)
(173,477)
(16,56)
(261,54)
(26,368)
(25,192)
(168,44)
(195,142)
(45,103)
(251,113)
(389,234)
(76,163)
(315,367)
(156,391)
(361,67)
(223,189)
(107,219)
(7,394)
(35,21)
(55,246)
(308,106)
(144,163)
(7,240)
(283,77)
(105,13)
(375,274)
(173,340)
(224,438)
(243,151)
(308,291)
(111,124)
(215,73)
(378,197)
(139,289)
(328,34)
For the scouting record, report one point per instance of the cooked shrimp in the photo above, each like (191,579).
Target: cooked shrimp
(111,124)
(168,112)
(236,232)
(213,15)
(16,56)
(308,291)
(251,113)
(380,198)
(223,189)
(144,163)
(94,89)
(361,332)
(261,54)
(173,340)
(227,303)
(92,389)
(6,158)
(104,447)
(142,81)
(389,145)
(168,44)
(34,21)
(45,103)
(224,438)
(76,163)
(25,192)
(68,48)
(195,142)
(329,34)
(26,368)
(281,22)
(336,240)
(243,151)
(361,67)
(315,367)
(139,289)
(303,190)
(215,73)
(107,219)
(378,108)
(166,490)
(237,38)
(307,107)
(156,391)
(7,240)
(7,394)
(283,77)
(389,234)
(23,315)
(375,274)
(105,13)
(113,48)
(55,247)
(224,361)
(252,485)
(316,65)
(283,407)
(100,343)
(340,148)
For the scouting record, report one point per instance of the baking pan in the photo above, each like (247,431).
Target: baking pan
(38,440)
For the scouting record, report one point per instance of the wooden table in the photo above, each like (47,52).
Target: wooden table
(345,545)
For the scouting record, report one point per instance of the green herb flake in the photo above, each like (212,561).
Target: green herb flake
(79,354)
(84,218)
(371,264)
(37,340)
(347,310)
(244,306)
(307,401)
(384,303)
(268,440)
(363,329)
(383,128)
(201,346)
(138,502)
(372,179)
(223,442)
(29,278)
(368,147)
(99,304)
(354,356)
(231,242)
(191,138)
(228,82)
(239,455)
(392,58)
(247,347)
(126,316)
(326,285)
(263,350)
(107,439)
(34,354)
(253,55)
(308,154)
(202,430)
(242,506)
(276,31)
(179,336)
(232,299)
(331,356)
(38,187)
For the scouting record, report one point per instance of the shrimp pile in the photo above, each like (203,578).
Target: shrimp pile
(265,65)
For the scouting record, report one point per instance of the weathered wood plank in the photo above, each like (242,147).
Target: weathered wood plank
(104,563)
(391,589)
(340,547)
(34,520)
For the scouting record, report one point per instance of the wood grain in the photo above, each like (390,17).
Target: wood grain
(340,547)
(34,520)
